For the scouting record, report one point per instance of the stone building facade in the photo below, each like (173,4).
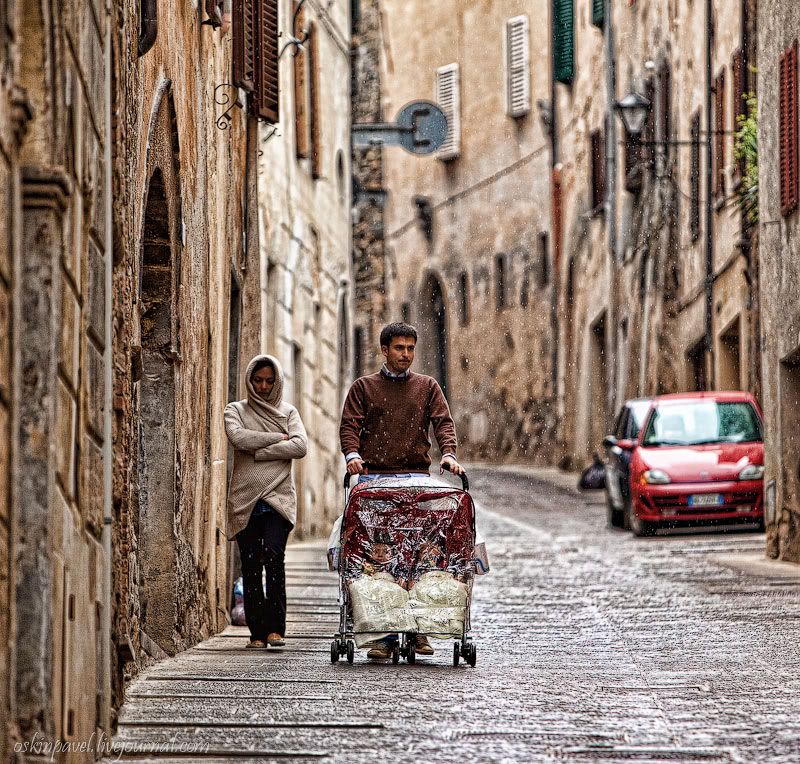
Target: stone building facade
(466,233)
(555,264)
(304,205)
(55,370)
(128,269)
(779,236)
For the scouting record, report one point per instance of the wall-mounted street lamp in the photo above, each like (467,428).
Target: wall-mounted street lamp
(633,109)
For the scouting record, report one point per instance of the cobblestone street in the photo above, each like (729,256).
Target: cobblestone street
(592,646)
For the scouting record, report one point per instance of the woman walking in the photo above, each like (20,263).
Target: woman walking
(266,434)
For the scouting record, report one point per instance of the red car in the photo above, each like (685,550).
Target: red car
(695,457)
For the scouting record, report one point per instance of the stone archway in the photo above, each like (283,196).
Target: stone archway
(157,473)
(433,332)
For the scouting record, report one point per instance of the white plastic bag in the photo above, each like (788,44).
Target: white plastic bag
(438,602)
(333,544)
(379,607)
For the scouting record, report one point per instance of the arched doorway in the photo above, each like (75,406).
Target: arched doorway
(432,327)
(156,466)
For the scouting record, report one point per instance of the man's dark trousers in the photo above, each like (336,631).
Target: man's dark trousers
(261,546)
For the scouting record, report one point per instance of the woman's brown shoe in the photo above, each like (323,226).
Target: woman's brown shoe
(256,644)
(275,640)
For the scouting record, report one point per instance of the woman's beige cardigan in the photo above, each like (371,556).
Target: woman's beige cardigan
(262,459)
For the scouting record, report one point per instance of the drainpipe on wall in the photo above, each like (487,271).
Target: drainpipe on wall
(558,350)
(612,350)
(709,280)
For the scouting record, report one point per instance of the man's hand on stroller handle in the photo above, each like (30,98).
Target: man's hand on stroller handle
(355,467)
(451,465)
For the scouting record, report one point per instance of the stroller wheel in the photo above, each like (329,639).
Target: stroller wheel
(456,653)
(411,655)
(351,651)
(396,654)
(334,651)
(472,655)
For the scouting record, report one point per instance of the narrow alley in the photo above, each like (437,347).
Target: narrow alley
(592,646)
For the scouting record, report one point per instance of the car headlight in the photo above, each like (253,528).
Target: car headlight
(752,472)
(655,477)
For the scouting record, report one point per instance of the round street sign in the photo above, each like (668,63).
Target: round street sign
(423,127)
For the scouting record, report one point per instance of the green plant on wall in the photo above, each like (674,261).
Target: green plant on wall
(745,150)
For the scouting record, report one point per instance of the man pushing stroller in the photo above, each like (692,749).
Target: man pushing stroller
(385,423)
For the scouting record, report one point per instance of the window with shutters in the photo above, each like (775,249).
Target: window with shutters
(598,12)
(300,84)
(314,110)
(738,97)
(718,142)
(255,55)
(448,96)
(788,130)
(563,40)
(518,77)
(597,176)
(694,178)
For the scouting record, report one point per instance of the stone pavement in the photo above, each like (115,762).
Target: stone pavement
(592,646)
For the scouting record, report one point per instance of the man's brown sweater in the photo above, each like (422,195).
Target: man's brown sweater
(386,419)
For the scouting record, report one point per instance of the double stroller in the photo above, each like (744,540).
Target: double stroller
(406,555)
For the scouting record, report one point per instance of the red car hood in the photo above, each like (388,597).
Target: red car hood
(688,464)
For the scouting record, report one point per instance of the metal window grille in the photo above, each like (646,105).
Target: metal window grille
(597,177)
(500,282)
(518,78)
(448,96)
(788,129)
(737,71)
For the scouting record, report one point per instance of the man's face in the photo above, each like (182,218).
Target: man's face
(399,354)
(264,381)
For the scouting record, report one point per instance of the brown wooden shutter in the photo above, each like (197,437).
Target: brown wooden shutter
(243,30)
(694,178)
(718,154)
(314,114)
(300,88)
(788,129)
(265,95)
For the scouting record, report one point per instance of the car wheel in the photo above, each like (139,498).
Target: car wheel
(616,517)
(641,527)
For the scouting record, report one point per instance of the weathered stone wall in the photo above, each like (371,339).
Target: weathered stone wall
(305,221)
(179,233)
(56,259)
(369,253)
(778,27)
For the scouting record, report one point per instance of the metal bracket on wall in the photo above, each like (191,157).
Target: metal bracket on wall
(224,120)
(267,137)
(294,41)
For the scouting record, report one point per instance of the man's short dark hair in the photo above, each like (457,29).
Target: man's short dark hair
(397,329)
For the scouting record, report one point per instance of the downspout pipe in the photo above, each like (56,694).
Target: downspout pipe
(148,26)
(611,210)
(709,279)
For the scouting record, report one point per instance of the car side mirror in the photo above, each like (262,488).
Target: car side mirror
(609,441)
(626,444)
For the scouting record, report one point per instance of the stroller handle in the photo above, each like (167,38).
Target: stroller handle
(463,476)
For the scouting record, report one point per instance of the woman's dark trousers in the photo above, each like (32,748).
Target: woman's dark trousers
(261,546)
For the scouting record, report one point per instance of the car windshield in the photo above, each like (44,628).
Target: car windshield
(692,423)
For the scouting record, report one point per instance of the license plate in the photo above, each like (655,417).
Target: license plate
(706,500)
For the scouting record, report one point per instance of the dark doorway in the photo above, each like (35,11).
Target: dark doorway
(432,344)
(598,415)
(156,452)
(730,362)
(696,362)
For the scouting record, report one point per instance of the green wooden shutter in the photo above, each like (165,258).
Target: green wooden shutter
(598,12)
(563,40)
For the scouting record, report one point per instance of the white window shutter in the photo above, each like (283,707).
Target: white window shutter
(518,69)
(448,96)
